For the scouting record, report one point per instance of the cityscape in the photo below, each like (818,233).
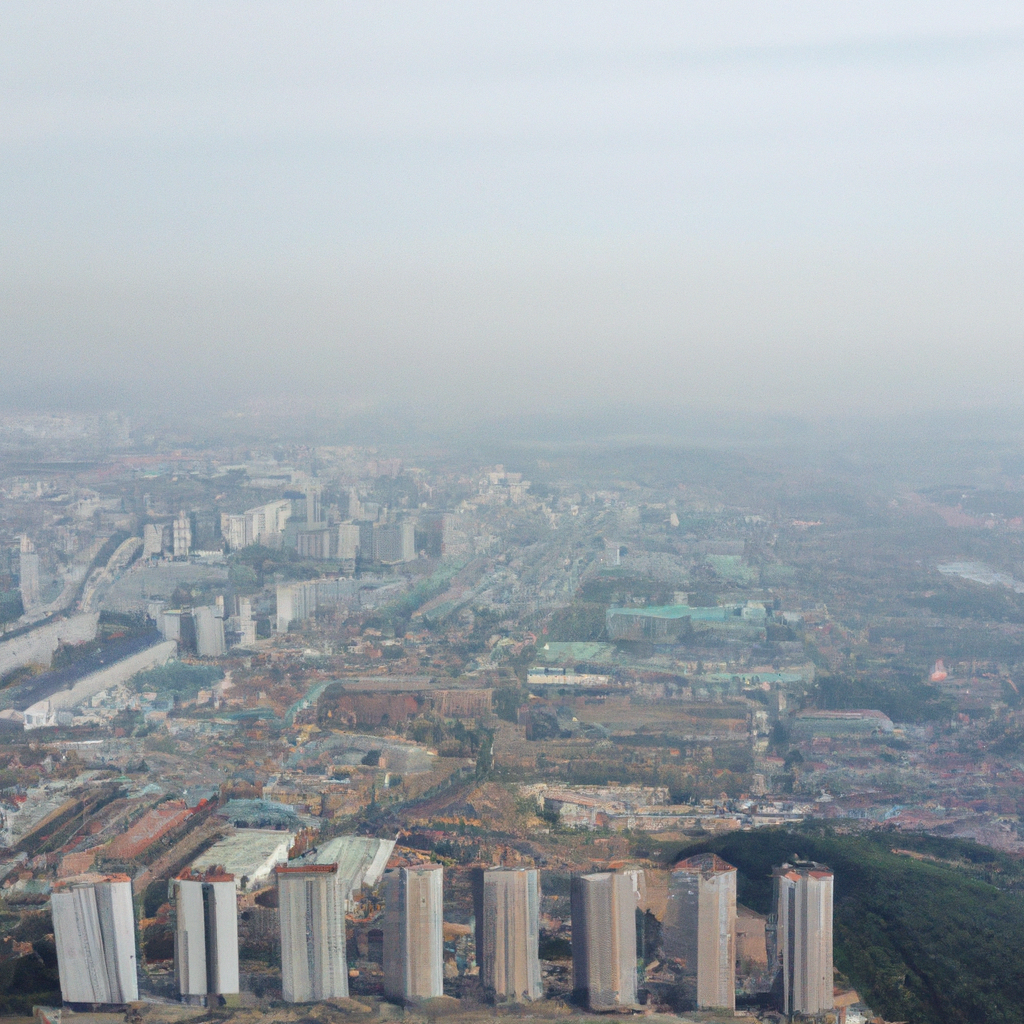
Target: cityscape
(511,511)
(493,736)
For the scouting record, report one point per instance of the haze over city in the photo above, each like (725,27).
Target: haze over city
(756,207)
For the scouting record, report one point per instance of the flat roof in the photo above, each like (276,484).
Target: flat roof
(244,852)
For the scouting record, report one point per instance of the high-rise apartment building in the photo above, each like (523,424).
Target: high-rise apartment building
(94,931)
(803,901)
(264,524)
(152,540)
(312,912)
(205,936)
(700,929)
(246,623)
(603,910)
(181,536)
(209,626)
(510,938)
(313,514)
(413,940)
(28,574)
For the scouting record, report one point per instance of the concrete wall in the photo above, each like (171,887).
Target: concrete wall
(118,673)
(37,646)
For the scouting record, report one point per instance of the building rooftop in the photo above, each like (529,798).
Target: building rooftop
(360,860)
(704,864)
(249,854)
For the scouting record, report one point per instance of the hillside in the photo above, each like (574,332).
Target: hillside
(922,935)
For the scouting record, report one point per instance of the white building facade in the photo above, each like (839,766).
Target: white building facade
(94,932)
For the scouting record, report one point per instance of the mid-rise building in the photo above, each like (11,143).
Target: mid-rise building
(264,524)
(316,542)
(511,934)
(803,902)
(94,932)
(205,936)
(413,939)
(299,601)
(312,912)
(28,574)
(205,526)
(700,929)
(348,541)
(394,542)
(235,530)
(603,908)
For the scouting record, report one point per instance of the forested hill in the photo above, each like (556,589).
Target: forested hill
(928,941)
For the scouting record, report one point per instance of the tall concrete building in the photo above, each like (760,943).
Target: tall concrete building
(803,900)
(313,514)
(246,623)
(236,530)
(603,908)
(205,936)
(510,937)
(152,540)
(182,536)
(700,929)
(28,574)
(209,626)
(312,912)
(94,931)
(413,940)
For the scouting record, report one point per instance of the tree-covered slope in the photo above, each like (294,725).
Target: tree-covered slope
(925,942)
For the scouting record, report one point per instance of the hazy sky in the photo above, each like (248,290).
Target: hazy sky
(490,206)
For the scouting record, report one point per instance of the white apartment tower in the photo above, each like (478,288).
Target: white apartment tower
(312,911)
(604,940)
(94,931)
(247,623)
(413,940)
(511,934)
(181,536)
(205,936)
(700,929)
(803,899)
(152,540)
(209,632)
